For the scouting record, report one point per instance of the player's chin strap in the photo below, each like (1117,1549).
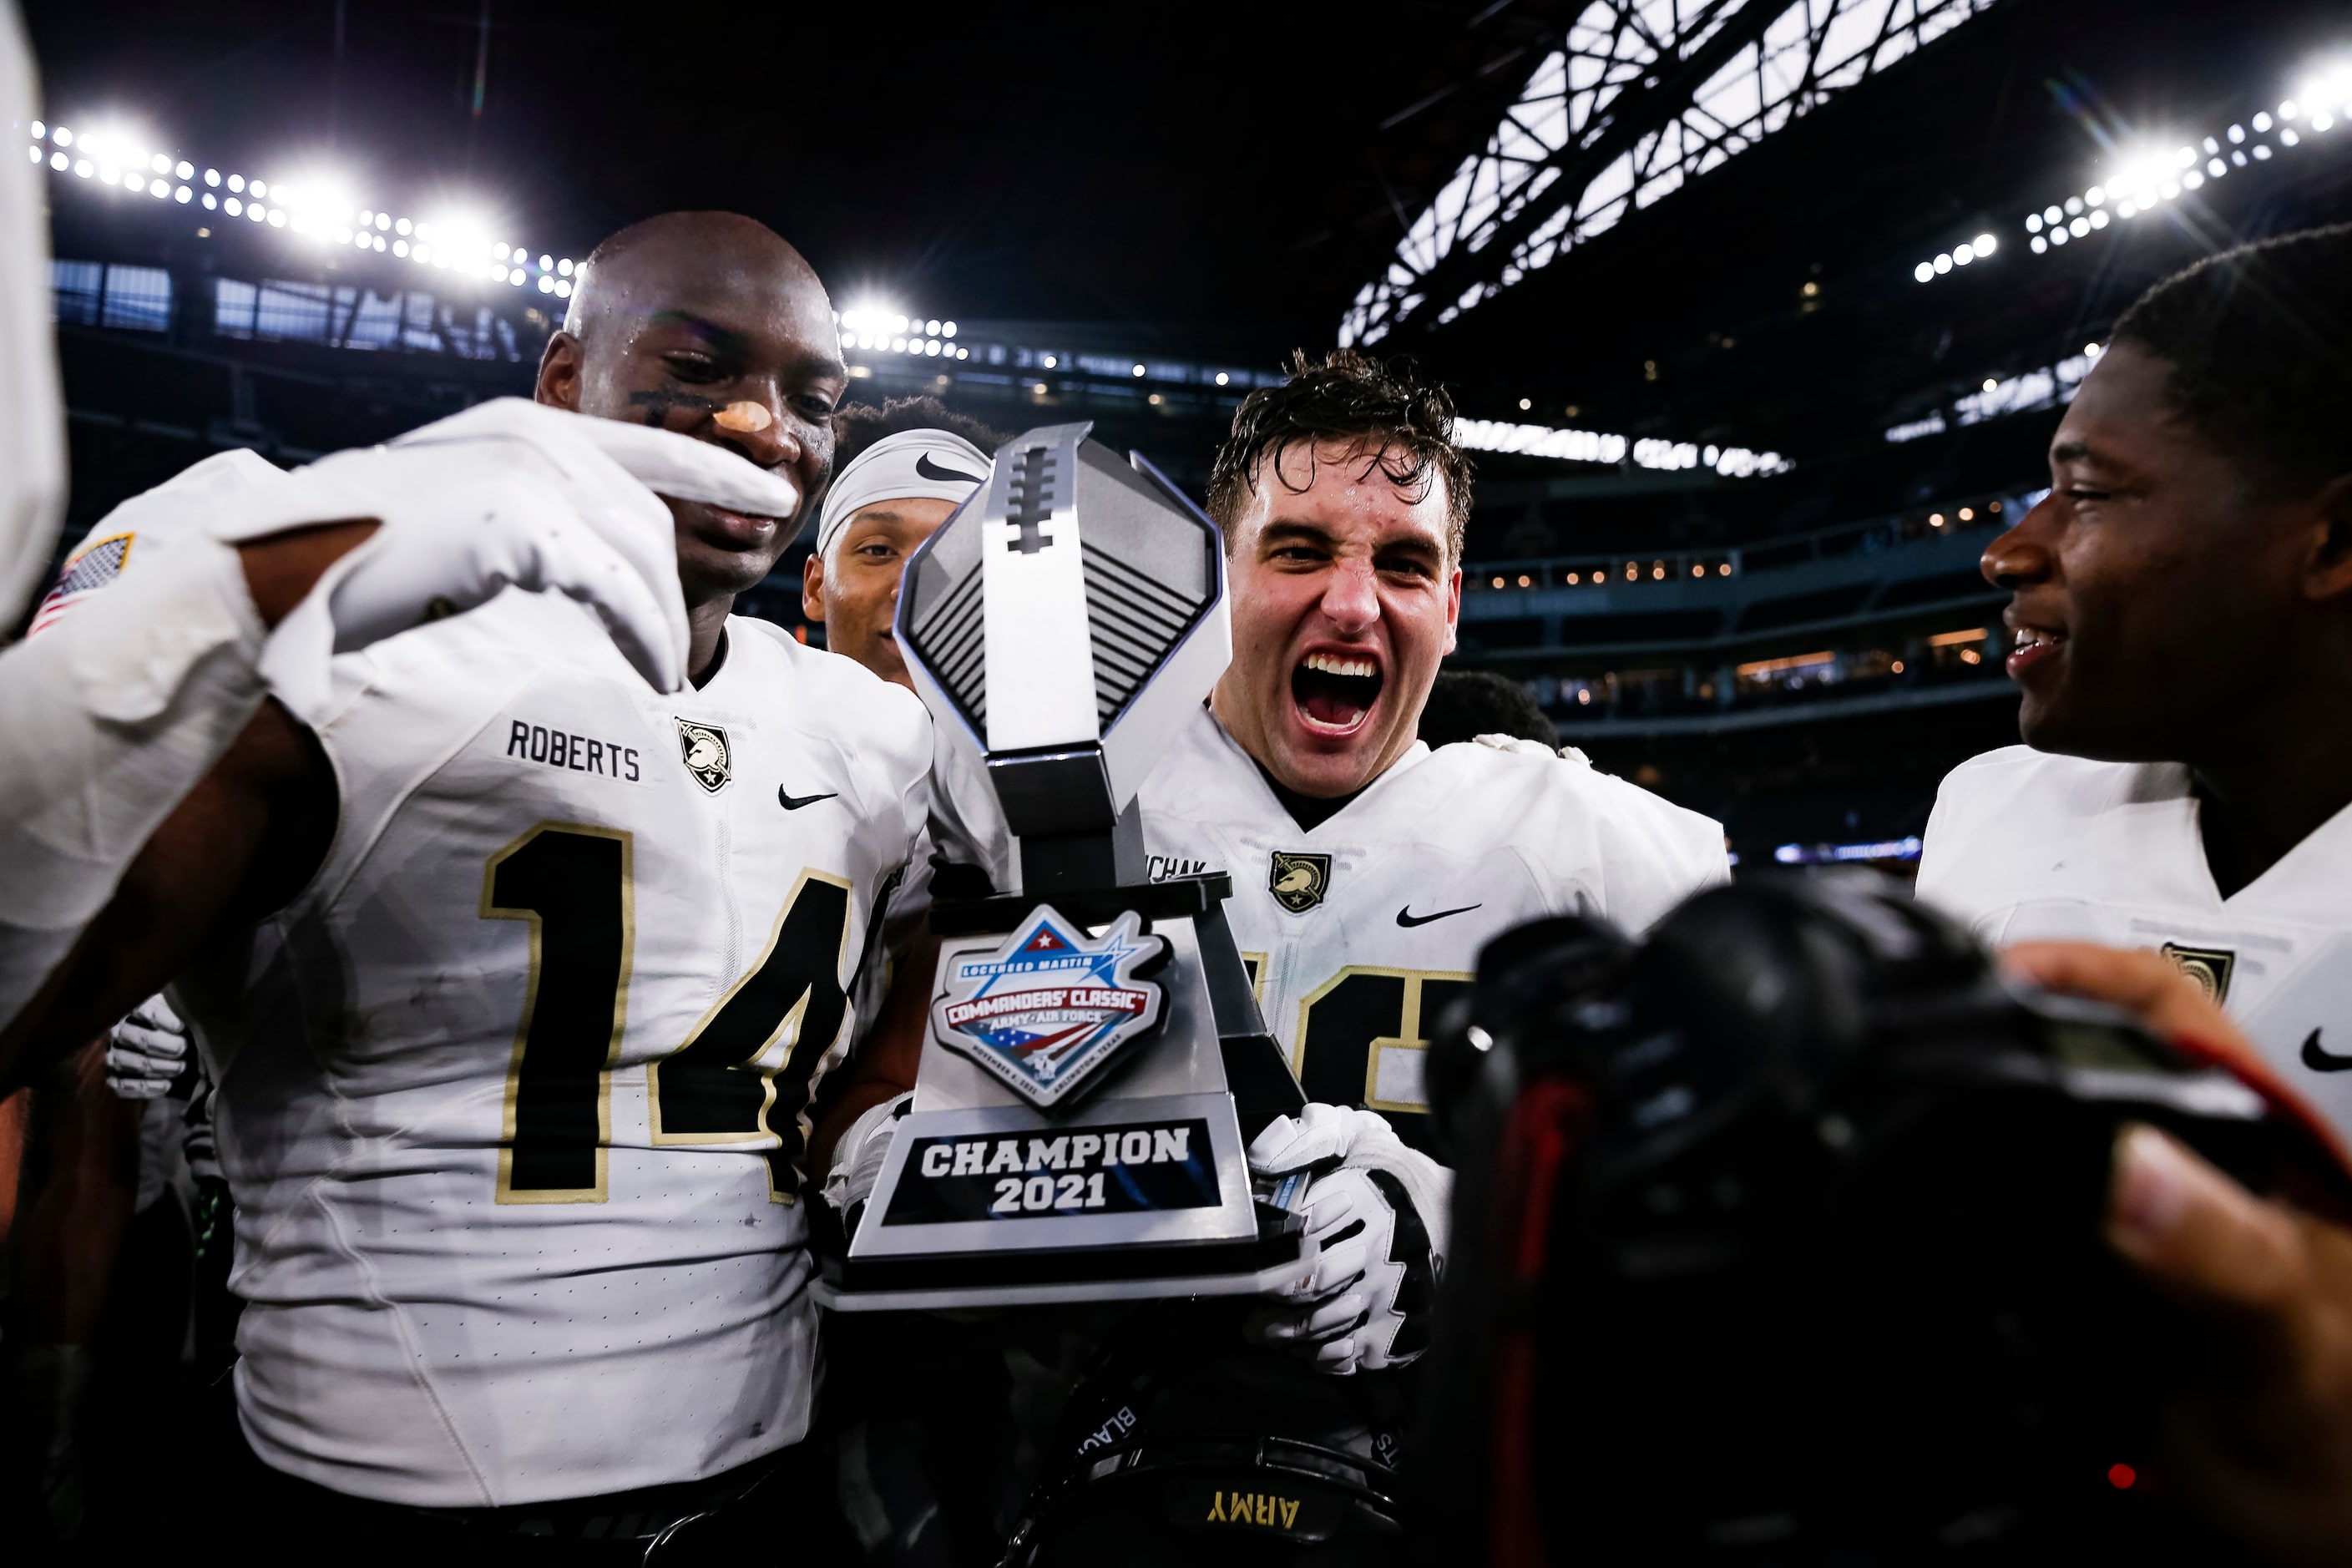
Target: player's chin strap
(1376,1212)
(858,1158)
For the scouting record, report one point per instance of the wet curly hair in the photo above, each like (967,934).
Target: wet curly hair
(2259,340)
(1398,421)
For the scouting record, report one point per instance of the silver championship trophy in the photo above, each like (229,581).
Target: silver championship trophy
(1095,1058)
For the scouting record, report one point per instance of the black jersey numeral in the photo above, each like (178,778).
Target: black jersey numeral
(573,883)
(1351,1026)
(728,1083)
(720,1086)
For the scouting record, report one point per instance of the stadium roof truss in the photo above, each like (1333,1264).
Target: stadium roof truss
(1641,96)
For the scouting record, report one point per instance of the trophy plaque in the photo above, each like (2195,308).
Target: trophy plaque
(1094,1061)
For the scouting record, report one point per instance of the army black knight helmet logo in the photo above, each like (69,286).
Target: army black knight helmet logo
(2208,966)
(707,755)
(1298,880)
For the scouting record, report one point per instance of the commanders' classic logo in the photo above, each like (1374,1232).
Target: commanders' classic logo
(2208,966)
(707,753)
(1299,882)
(1051,1007)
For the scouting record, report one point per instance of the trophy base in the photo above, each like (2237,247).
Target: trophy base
(1139,1271)
(1128,1183)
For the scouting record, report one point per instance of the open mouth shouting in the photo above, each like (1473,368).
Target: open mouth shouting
(1334,692)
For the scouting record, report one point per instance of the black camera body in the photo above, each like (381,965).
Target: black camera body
(1778,1238)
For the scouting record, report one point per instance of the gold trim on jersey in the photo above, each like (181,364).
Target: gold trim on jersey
(1408,1039)
(787,1028)
(493,912)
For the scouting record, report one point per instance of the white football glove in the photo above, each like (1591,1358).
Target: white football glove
(147,1052)
(509,494)
(1377,1214)
(857,1158)
(115,712)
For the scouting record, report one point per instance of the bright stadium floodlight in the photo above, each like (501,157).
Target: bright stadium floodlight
(2326,86)
(2153,169)
(314,205)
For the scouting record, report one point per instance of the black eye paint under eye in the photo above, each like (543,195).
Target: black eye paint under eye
(661,400)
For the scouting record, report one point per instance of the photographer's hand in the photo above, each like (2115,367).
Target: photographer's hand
(2262,1445)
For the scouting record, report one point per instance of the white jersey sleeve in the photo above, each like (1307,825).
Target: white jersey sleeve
(1633,855)
(512,1098)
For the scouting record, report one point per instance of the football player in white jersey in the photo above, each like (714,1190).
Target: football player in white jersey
(925,462)
(514,976)
(1367,869)
(2182,607)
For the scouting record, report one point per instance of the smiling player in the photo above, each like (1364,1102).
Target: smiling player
(899,470)
(2182,605)
(516,975)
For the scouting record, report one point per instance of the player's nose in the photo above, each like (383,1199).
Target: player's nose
(1351,600)
(2023,556)
(761,430)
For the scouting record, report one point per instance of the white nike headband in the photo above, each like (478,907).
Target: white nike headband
(913,465)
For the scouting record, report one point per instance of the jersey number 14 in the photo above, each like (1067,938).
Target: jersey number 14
(573,883)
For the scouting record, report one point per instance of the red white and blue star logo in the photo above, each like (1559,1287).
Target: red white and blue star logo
(1047,1009)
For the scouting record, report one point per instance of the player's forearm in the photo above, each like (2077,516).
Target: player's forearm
(886,1058)
(111,716)
(282,569)
(235,847)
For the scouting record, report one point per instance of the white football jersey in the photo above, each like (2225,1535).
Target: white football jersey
(511,1097)
(1359,931)
(2024,845)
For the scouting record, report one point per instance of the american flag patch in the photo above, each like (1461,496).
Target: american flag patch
(87,570)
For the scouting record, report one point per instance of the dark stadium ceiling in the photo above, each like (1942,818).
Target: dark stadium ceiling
(1221,180)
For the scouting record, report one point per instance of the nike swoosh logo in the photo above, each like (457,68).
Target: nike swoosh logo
(930,471)
(2318,1058)
(794,801)
(1407,919)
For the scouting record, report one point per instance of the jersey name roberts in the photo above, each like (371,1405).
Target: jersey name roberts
(512,1097)
(1357,931)
(2024,845)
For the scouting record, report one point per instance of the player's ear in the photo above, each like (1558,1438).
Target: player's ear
(558,374)
(813,588)
(2328,571)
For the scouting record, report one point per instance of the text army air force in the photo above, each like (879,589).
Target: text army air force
(517,897)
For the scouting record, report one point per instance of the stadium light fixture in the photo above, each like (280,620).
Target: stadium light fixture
(318,210)
(2153,170)
(1596,447)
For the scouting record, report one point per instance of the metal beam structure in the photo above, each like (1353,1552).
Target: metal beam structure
(1641,97)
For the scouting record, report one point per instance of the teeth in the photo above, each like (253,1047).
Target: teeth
(1330,665)
(2033,636)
